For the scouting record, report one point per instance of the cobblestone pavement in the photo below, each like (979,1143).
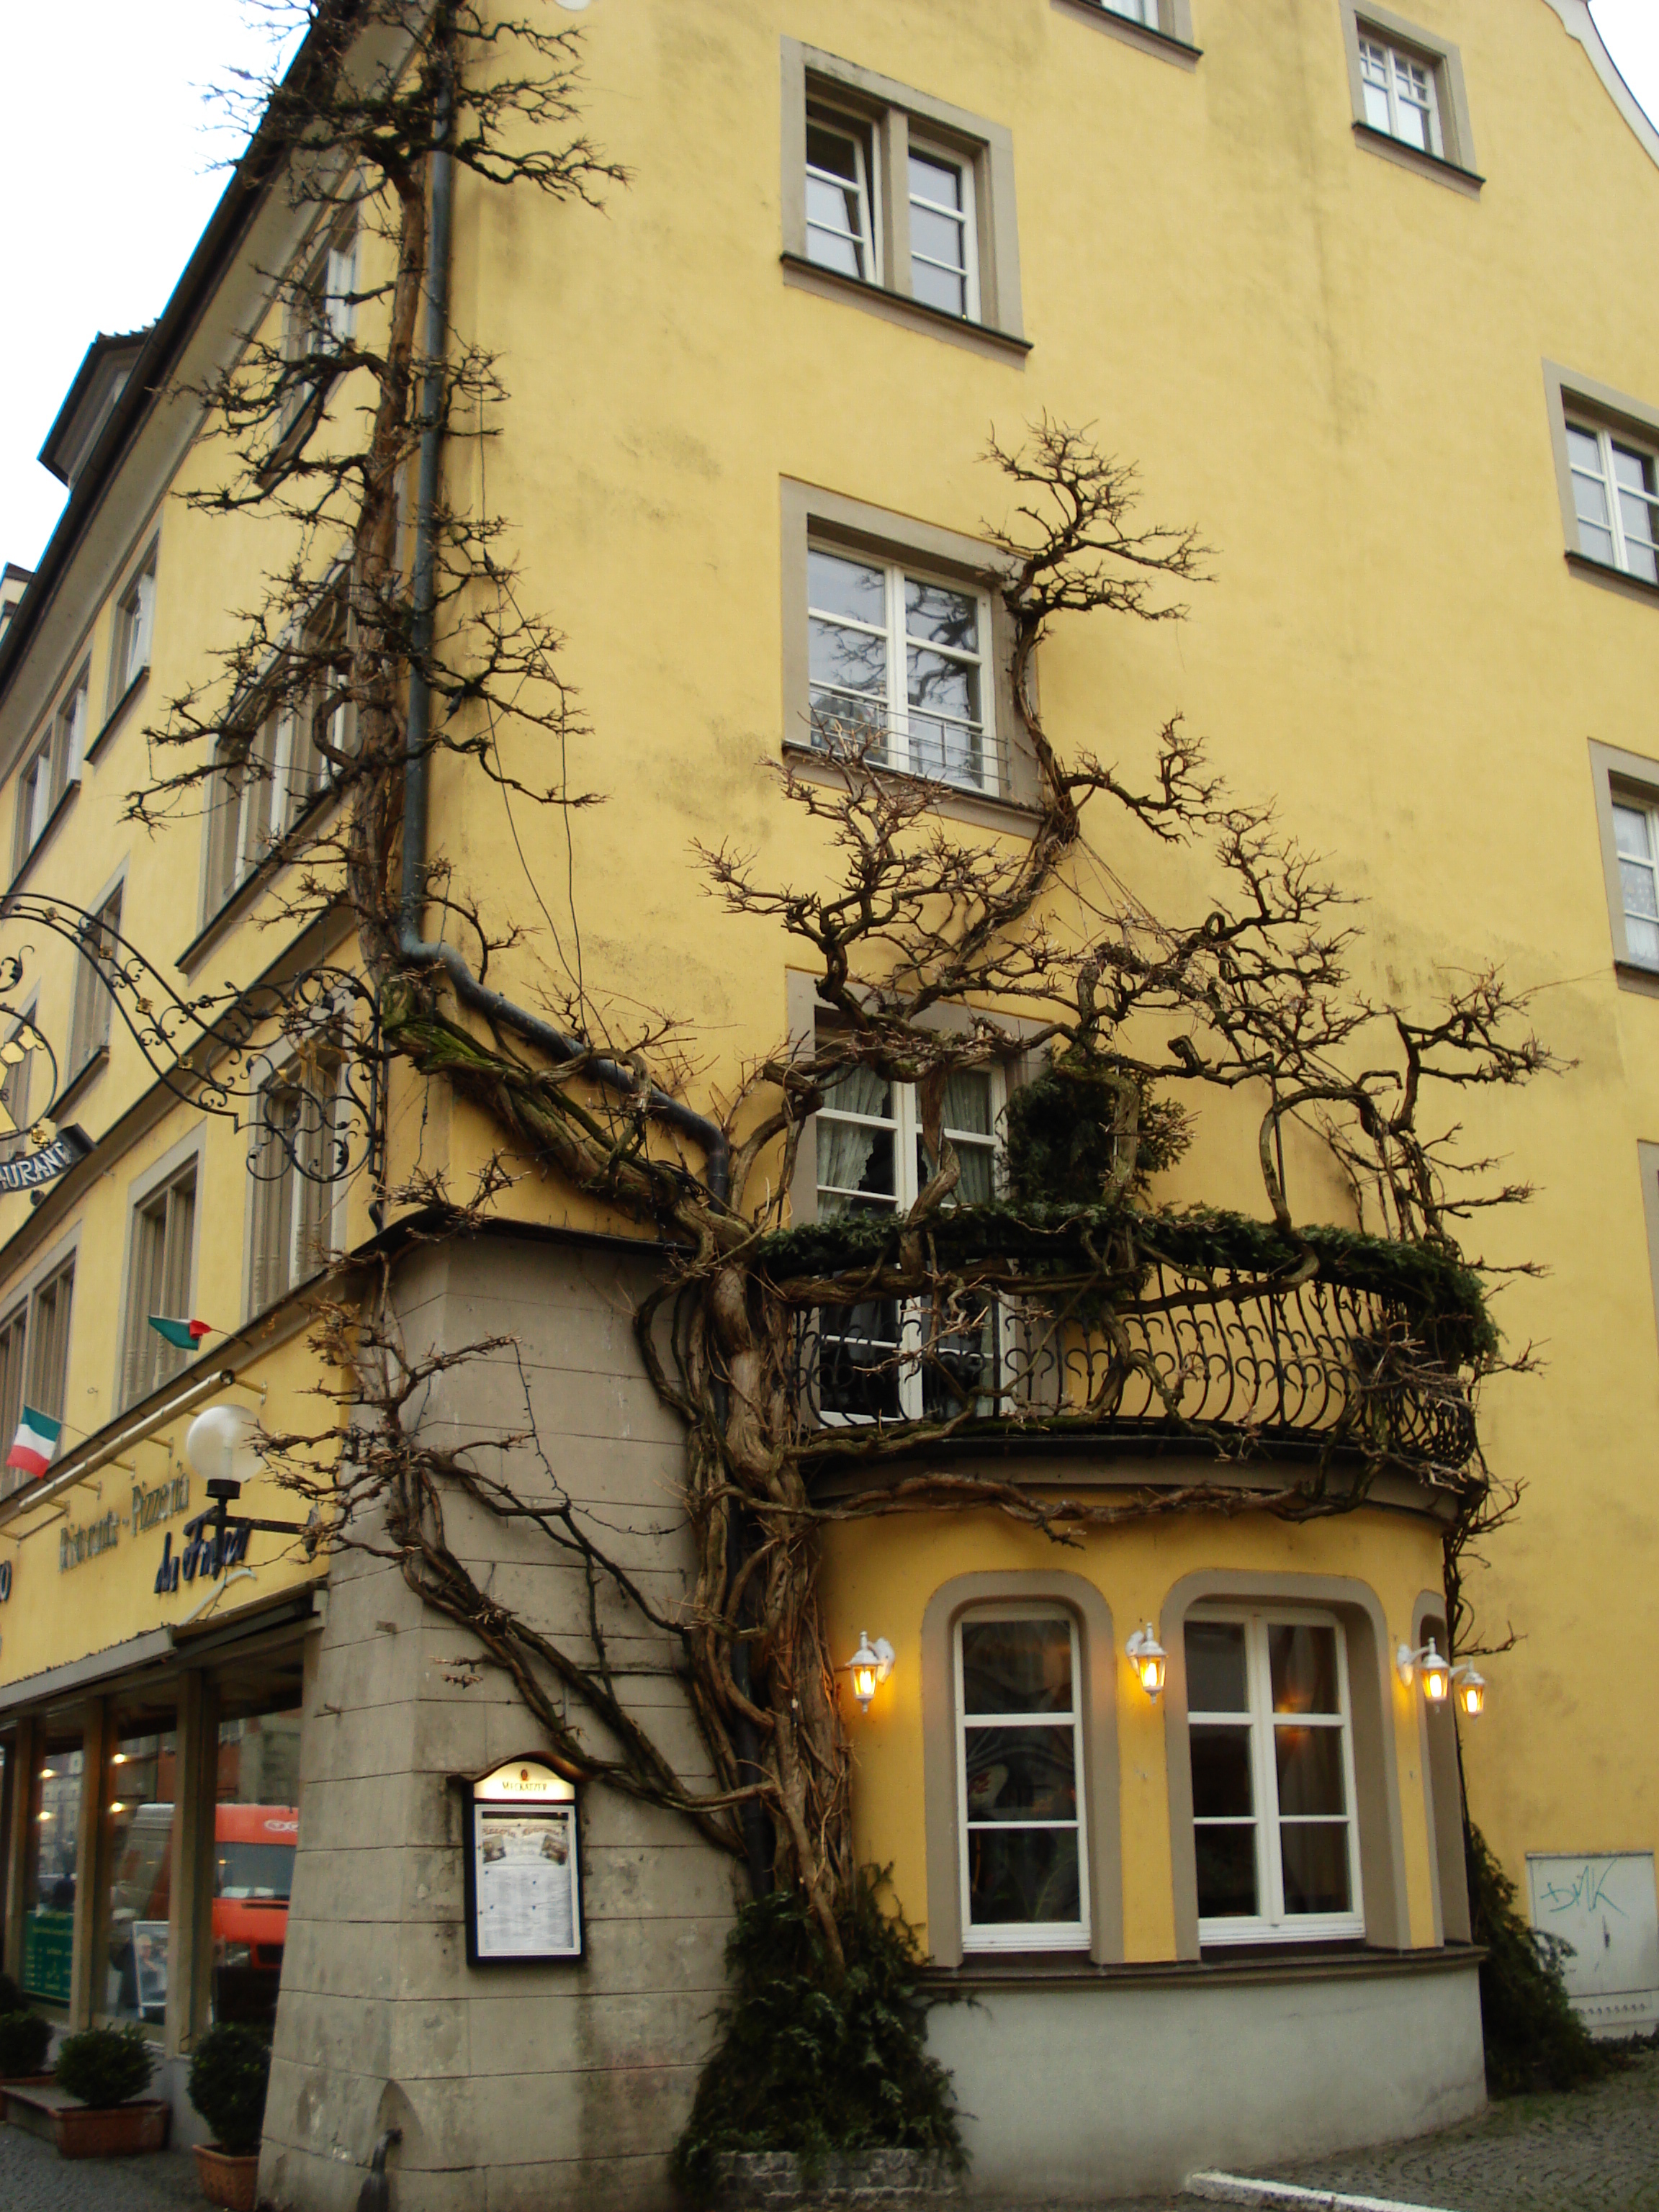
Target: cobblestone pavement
(33,2179)
(1597,2151)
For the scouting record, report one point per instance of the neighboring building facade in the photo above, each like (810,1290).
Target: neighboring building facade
(1361,294)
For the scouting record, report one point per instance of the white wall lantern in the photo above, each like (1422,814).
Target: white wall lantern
(1436,1673)
(221,1444)
(1471,1690)
(870,1665)
(1149,1659)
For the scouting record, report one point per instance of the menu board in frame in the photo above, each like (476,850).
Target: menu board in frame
(523,1866)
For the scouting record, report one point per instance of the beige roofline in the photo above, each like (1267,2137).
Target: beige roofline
(1578,23)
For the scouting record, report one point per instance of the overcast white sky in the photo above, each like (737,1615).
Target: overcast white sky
(98,243)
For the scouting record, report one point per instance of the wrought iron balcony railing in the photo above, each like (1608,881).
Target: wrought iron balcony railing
(1234,1357)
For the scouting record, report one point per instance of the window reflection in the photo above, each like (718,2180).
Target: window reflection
(256,1830)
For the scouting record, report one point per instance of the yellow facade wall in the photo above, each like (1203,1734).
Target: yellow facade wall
(1328,361)
(879,1576)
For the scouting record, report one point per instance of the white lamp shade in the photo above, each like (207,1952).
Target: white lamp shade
(221,1444)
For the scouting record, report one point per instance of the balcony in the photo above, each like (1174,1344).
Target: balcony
(1206,1332)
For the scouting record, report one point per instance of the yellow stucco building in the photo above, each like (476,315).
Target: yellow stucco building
(1360,292)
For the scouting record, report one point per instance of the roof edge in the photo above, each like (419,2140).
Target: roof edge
(1578,23)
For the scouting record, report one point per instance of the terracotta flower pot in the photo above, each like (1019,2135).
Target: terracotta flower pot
(232,2182)
(113,2130)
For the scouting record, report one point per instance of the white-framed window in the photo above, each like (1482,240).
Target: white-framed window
(89,1018)
(843,228)
(944,239)
(898,191)
(1402,94)
(1135,11)
(34,1338)
(1274,1828)
(1615,497)
(269,773)
(1636,835)
(51,768)
(1019,1766)
(322,314)
(882,1359)
(899,667)
(135,623)
(293,1164)
(159,1283)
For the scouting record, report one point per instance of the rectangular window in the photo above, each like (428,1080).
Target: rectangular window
(1134,11)
(321,318)
(1407,86)
(1636,836)
(898,667)
(90,1019)
(944,250)
(35,1341)
(880,1359)
(896,190)
(53,766)
(841,218)
(159,1283)
(14,1345)
(138,1858)
(1274,1833)
(135,618)
(1615,496)
(1400,95)
(292,1162)
(1019,1767)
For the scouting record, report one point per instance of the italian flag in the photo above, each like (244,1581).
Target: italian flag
(35,1443)
(186,1334)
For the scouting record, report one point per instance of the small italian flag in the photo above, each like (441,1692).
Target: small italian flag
(187,1334)
(35,1443)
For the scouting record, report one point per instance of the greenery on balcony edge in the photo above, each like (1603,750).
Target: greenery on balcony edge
(1429,1281)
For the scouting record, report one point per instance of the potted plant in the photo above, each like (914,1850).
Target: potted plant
(227,2080)
(25,2038)
(108,2070)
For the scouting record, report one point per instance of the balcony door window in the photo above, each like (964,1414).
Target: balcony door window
(882,1358)
(1275,1839)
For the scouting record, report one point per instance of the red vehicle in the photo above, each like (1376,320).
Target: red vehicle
(252,1878)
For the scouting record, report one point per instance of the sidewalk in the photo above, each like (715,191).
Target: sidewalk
(1597,2151)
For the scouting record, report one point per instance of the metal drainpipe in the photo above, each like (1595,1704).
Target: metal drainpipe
(412,947)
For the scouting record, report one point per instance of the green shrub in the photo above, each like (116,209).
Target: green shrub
(105,2066)
(809,2064)
(24,2039)
(1533,2038)
(227,2080)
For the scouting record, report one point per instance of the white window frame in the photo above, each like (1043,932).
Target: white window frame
(1144,12)
(1025,1934)
(860,134)
(52,767)
(1377,49)
(285,1071)
(898,753)
(906,1129)
(1275,1925)
(322,312)
(135,626)
(20,1318)
(1644,812)
(147,1360)
(92,1004)
(964,214)
(1608,443)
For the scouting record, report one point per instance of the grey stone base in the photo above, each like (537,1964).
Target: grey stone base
(771,2181)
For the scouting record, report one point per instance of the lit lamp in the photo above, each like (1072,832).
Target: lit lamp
(1437,1672)
(870,1665)
(1149,1659)
(1471,1690)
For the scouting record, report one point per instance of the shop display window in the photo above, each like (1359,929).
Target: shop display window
(143,1790)
(49,1921)
(255,1831)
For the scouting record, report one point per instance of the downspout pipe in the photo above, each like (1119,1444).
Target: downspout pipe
(416,950)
